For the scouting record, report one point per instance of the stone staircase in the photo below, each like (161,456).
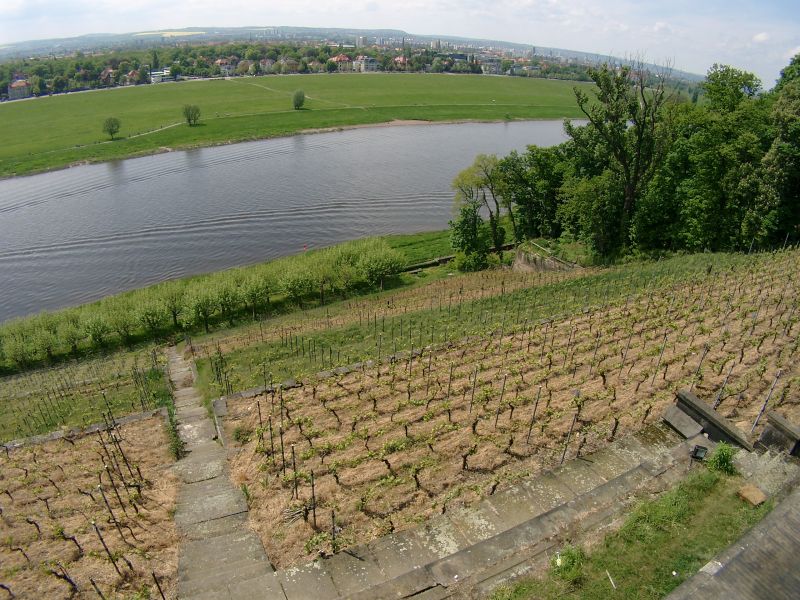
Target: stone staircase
(219,557)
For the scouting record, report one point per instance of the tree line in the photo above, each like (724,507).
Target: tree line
(649,172)
(199,303)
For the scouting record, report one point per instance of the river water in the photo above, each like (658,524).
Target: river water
(79,234)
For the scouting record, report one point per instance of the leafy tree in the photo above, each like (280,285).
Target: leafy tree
(203,305)
(174,300)
(111,126)
(298,99)
(151,316)
(480,183)
(530,186)
(468,237)
(122,322)
(790,73)
(779,195)
(628,120)
(379,263)
(727,87)
(467,230)
(191,112)
(98,329)
(297,283)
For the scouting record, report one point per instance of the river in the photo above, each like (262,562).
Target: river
(79,234)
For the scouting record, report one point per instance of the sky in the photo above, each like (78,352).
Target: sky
(691,35)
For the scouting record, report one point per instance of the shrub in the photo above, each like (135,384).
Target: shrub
(721,459)
(567,564)
(298,99)
(474,261)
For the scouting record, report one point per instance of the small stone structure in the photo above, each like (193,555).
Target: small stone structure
(715,425)
(781,434)
(539,261)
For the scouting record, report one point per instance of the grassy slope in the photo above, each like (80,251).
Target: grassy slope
(55,131)
(678,532)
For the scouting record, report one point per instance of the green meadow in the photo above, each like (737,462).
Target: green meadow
(56,131)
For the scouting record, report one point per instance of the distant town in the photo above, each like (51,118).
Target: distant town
(61,66)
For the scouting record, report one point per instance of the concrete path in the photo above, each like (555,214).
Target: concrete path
(219,557)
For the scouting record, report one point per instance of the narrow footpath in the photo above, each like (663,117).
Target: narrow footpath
(219,557)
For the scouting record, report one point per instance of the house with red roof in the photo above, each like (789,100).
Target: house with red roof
(19,89)
(343,62)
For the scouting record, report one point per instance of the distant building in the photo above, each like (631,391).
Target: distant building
(289,65)
(365,64)
(161,76)
(19,89)
(226,67)
(343,62)
(266,65)
(107,76)
(490,66)
(130,78)
(361,41)
(400,62)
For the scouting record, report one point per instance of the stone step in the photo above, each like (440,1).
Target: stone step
(266,587)
(222,579)
(207,530)
(208,500)
(211,554)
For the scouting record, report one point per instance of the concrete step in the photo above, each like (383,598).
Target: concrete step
(215,553)
(221,579)
(206,530)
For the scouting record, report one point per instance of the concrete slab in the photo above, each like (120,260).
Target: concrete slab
(718,427)
(681,422)
(440,537)
(199,509)
(477,523)
(578,476)
(222,580)
(354,570)
(205,530)
(218,552)
(400,553)
(416,584)
(608,463)
(266,586)
(308,581)
(219,557)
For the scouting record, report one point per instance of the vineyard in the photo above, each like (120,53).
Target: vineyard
(91,516)
(79,394)
(459,412)
(390,312)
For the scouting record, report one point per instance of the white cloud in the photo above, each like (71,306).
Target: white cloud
(790,54)
(760,38)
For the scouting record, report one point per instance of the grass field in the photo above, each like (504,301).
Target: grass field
(52,132)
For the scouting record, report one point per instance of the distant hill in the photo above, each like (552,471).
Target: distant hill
(102,41)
